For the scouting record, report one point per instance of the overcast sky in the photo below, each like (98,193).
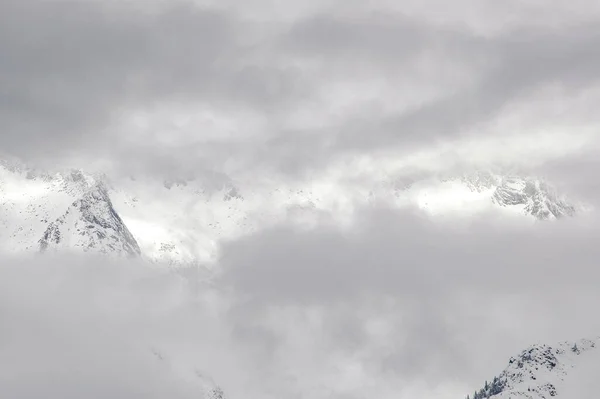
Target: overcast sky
(233,85)
(394,305)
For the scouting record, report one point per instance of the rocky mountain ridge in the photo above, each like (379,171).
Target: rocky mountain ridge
(534,196)
(91,224)
(539,372)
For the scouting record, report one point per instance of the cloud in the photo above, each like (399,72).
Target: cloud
(573,174)
(393,304)
(394,253)
(505,70)
(190,86)
(71,68)
(417,300)
(92,327)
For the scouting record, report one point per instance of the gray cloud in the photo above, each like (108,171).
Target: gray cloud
(372,38)
(74,71)
(392,303)
(95,327)
(70,68)
(451,292)
(65,341)
(405,253)
(574,175)
(505,69)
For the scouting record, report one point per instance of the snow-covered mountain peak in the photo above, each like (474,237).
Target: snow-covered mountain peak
(535,196)
(485,191)
(542,371)
(521,193)
(91,224)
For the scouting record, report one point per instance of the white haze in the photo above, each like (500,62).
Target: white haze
(394,307)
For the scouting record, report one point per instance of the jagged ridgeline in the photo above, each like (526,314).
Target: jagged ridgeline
(91,223)
(143,216)
(538,372)
(535,196)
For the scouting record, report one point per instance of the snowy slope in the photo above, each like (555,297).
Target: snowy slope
(30,201)
(90,224)
(182,221)
(71,210)
(566,370)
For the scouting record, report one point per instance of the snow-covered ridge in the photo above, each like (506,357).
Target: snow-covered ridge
(532,196)
(91,223)
(181,221)
(544,372)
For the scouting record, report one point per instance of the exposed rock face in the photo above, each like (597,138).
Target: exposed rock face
(534,196)
(538,372)
(92,224)
(537,197)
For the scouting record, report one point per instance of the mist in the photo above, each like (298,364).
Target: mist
(394,306)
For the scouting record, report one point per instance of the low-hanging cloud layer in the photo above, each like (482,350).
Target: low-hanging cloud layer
(395,306)
(392,305)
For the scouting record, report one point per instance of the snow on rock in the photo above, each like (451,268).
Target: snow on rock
(488,191)
(544,372)
(29,200)
(91,224)
(535,197)
(181,221)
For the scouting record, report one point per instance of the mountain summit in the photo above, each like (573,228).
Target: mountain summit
(529,195)
(544,372)
(91,223)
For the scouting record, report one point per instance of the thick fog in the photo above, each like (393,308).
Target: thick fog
(393,306)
